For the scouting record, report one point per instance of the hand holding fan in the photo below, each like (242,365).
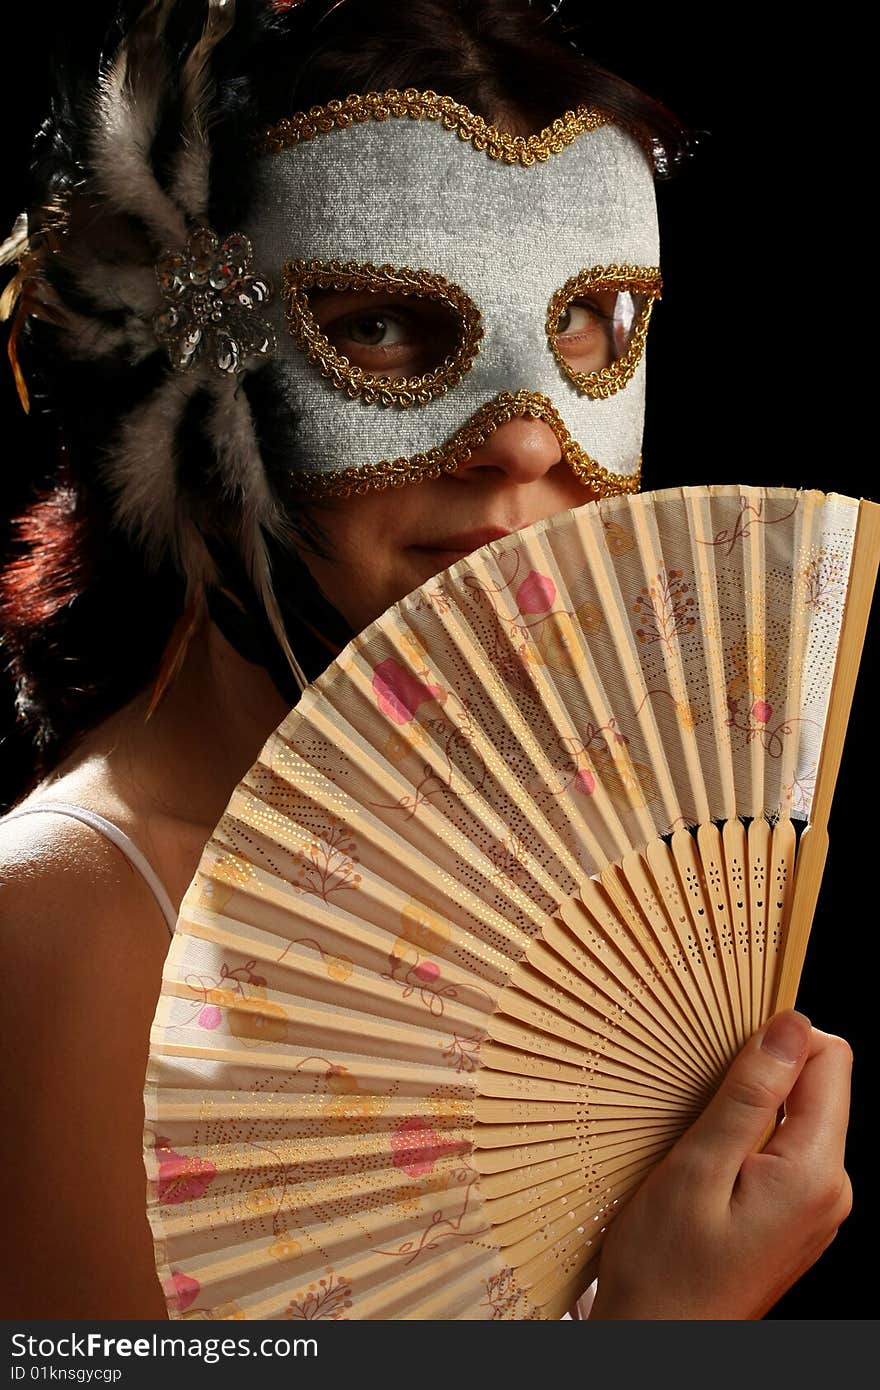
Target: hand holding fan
(480,932)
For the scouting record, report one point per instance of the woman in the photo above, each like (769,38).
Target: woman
(275,567)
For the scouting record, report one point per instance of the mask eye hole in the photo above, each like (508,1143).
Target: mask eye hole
(389,336)
(597,324)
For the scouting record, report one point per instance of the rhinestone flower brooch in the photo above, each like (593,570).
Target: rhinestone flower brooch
(211,297)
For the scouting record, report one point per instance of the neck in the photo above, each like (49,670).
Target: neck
(209,729)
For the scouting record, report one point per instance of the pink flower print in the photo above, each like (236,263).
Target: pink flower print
(427,971)
(585,782)
(400,694)
(180,1290)
(182,1177)
(210,1017)
(415,1147)
(536,594)
(761,711)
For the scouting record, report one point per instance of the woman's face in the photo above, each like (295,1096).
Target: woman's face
(386,543)
(401,209)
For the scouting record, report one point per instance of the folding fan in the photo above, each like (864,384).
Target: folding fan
(479,933)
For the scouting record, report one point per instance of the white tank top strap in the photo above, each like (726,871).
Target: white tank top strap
(119,838)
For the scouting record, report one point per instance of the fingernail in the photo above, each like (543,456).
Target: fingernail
(787,1037)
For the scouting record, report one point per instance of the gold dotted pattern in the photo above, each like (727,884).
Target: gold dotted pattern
(300,276)
(428,106)
(635,279)
(508,405)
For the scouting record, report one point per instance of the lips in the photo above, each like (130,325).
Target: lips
(464,542)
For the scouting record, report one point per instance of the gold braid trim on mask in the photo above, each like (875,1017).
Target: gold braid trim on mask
(373,477)
(375,389)
(645,280)
(379,106)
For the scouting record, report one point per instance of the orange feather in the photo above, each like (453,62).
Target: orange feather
(176,649)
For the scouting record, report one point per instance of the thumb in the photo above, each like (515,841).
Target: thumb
(746,1103)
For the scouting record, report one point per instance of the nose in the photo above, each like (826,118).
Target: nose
(523,449)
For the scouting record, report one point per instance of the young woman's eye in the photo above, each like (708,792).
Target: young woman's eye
(581,318)
(594,332)
(406,338)
(373,330)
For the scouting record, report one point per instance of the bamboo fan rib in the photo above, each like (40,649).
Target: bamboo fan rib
(478,935)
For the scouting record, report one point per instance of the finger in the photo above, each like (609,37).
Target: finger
(759,1080)
(817,1108)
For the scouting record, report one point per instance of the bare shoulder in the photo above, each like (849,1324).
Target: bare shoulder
(66,891)
(83,944)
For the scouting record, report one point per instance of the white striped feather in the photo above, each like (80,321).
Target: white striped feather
(129,100)
(191,179)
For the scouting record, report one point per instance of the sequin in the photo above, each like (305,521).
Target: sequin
(211,296)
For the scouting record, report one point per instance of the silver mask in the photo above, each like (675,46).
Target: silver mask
(530,266)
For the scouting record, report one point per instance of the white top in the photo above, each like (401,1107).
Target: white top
(119,838)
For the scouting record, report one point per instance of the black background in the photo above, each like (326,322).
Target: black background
(754,377)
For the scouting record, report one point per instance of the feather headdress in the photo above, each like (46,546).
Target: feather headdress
(101,239)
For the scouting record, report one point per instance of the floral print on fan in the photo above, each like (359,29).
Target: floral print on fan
(537,634)
(435,599)
(400,694)
(756,721)
(418,974)
(416,963)
(228,873)
(327,1298)
(559,639)
(502,1295)
(338,968)
(825,579)
(666,608)
(618,539)
(507,855)
(751,513)
(536,594)
(557,636)
(423,924)
(602,756)
(285,1248)
(439,1226)
(347,1105)
(329,863)
(755,674)
(755,670)
(423,934)
(438,749)
(182,1177)
(462,1054)
(242,995)
(800,792)
(181,1291)
(416,1147)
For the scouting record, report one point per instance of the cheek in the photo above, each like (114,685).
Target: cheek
(347,586)
(359,579)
